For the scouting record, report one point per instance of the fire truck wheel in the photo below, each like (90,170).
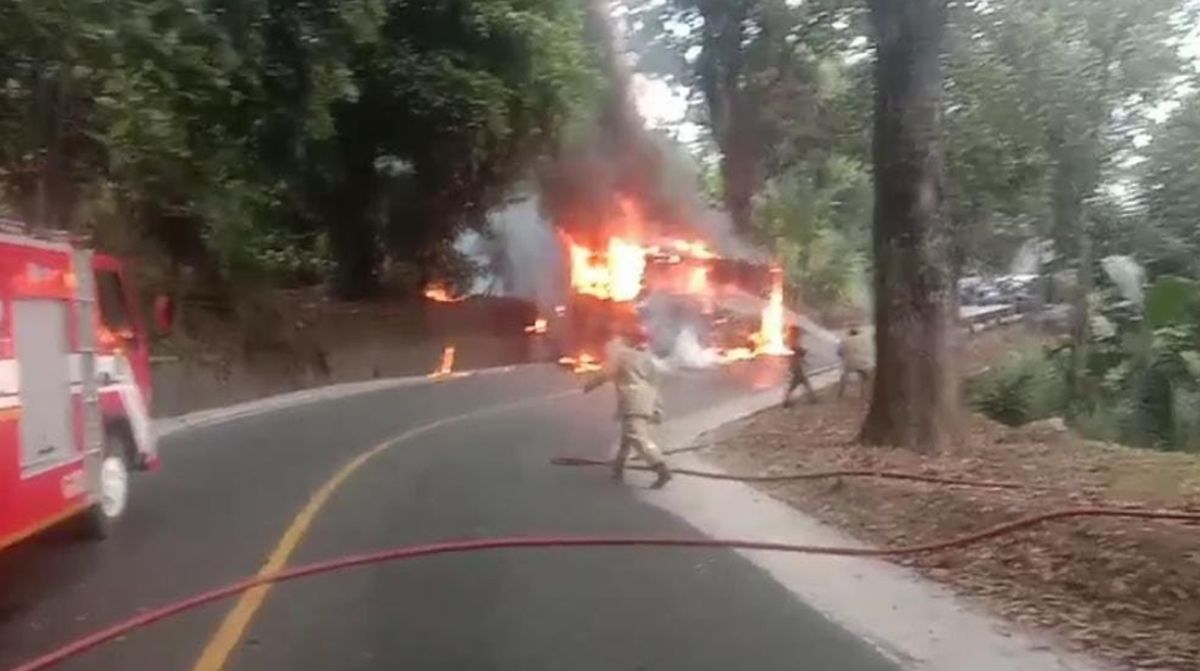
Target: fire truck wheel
(114,488)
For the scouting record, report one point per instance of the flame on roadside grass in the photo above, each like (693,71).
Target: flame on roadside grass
(584,363)
(440,294)
(446,367)
(538,327)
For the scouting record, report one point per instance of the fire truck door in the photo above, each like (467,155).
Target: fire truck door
(42,349)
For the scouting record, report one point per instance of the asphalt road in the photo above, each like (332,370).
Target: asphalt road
(227,492)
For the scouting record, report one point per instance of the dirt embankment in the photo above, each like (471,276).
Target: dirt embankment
(1128,591)
(220,356)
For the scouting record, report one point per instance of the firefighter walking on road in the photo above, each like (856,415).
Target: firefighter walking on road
(796,368)
(635,374)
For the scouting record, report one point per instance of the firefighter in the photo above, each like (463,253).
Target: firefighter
(634,372)
(796,367)
(857,352)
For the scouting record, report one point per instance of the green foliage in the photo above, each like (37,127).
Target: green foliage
(1173,301)
(1043,100)
(1141,374)
(1148,374)
(758,68)
(238,135)
(1025,387)
(996,163)
(1170,238)
(816,218)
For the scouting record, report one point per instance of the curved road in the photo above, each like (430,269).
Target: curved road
(228,492)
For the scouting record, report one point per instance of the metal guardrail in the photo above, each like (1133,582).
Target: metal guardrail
(978,317)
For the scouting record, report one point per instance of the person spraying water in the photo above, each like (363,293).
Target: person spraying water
(632,369)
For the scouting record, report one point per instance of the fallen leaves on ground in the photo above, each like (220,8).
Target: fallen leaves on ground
(1126,590)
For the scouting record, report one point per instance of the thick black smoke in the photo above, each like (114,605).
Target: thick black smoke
(579,192)
(618,157)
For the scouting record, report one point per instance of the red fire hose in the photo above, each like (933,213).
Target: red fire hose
(453,547)
(811,475)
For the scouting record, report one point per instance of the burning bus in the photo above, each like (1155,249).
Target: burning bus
(690,298)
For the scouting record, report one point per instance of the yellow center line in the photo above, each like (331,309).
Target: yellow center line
(216,653)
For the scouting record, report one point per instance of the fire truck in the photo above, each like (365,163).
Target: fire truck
(74,385)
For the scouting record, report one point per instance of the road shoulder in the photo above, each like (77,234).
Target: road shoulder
(166,426)
(917,622)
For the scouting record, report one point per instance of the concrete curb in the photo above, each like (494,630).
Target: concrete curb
(170,425)
(921,624)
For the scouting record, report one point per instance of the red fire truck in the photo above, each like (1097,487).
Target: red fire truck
(74,385)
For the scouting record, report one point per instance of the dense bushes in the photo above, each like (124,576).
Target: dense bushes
(289,142)
(1140,374)
(1026,386)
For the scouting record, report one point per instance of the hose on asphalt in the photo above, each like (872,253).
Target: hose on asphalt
(120,629)
(810,475)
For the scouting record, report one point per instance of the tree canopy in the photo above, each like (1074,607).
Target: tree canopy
(264,136)
(1052,129)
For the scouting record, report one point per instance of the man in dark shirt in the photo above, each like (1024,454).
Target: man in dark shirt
(796,367)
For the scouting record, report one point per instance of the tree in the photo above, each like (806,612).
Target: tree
(53,68)
(451,104)
(995,159)
(246,137)
(754,65)
(915,401)
(816,218)
(1170,239)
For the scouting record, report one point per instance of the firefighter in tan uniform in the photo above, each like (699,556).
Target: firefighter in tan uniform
(635,374)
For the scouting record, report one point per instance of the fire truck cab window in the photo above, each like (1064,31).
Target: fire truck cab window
(111,295)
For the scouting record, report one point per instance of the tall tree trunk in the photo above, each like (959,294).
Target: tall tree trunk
(741,176)
(352,224)
(916,399)
(720,69)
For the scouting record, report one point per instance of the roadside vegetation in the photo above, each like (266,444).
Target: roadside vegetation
(254,143)
(1142,367)
(1067,123)
(348,143)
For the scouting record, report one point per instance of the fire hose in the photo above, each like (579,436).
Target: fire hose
(811,475)
(120,629)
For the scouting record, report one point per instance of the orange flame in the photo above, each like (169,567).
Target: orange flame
(615,274)
(447,364)
(770,338)
(698,281)
(693,248)
(616,270)
(737,354)
(627,265)
(584,363)
(439,293)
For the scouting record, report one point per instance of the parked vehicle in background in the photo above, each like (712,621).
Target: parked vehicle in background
(74,385)
(1004,289)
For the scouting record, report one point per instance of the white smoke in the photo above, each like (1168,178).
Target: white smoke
(689,354)
(1031,256)
(1128,276)
(520,255)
